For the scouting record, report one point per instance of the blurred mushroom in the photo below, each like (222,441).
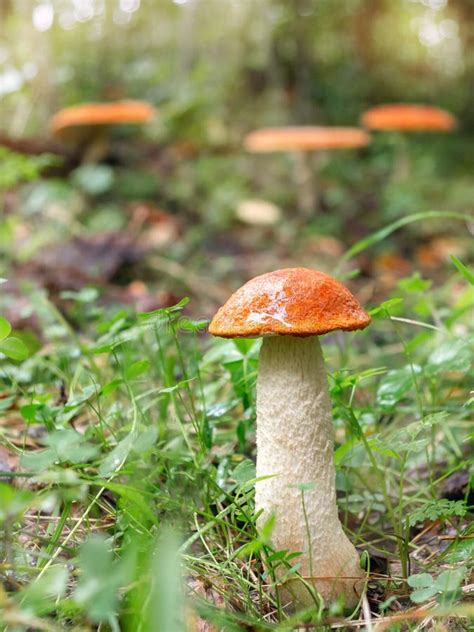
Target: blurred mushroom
(258,212)
(301,140)
(437,251)
(407,117)
(85,125)
(290,308)
(388,268)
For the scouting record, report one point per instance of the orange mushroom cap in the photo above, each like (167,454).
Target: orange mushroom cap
(292,302)
(305,138)
(102,114)
(408,117)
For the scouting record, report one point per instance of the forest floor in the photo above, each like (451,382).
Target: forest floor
(127,433)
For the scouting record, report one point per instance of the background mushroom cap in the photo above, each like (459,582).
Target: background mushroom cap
(292,302)
(102,114)
(305,138)
(408,117)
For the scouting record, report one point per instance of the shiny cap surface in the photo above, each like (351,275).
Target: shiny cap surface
(292,302)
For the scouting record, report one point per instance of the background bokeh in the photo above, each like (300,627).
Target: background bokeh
(214,70)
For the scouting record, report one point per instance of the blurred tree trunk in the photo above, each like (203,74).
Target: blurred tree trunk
(364,21)
(294,61)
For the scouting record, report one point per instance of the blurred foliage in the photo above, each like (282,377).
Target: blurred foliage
(216,67)
(17,167)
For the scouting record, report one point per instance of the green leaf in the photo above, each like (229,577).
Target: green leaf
(421,580)
(423,594)
(164,311)
(292,571)
(244,345)
(244,472)
(14,348)
(93,179)
(13,502)
(38,460)
(414,284)
(7,402)
(450,580)
(354,454)
(5,328)
(165,599)
(71,446)
(111,387)
(461,551)
(267,528)
(189,325)
(28,412)
(39,414)
(145,440)
(434,509)
(366,501)
(100,579)
(85,295)
(80,398)
(118,456)
(40,595)
(464,270)
(452,355)
(18,167)
(278,555)
(382,309)
(395,384)
(137,368)
(131,496)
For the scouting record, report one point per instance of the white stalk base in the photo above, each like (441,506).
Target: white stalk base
(295,446)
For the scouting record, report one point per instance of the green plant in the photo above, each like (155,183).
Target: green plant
(17,167)
(445,587)
(11,346)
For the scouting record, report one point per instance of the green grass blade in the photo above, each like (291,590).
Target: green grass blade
(384,232)
(462,269)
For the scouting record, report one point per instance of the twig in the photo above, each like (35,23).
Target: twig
(410,321)
(366,613)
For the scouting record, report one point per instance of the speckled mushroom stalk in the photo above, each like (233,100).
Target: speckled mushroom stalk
(295,445)
(290,308)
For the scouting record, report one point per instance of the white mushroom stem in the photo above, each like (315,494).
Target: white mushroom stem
(295,446)
(305,180)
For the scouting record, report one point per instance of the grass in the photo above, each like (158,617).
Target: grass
(128,501)
(127,450)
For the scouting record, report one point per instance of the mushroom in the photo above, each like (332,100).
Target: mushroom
(289,309)
(85,125)
(301,140)
(407,117)
(258,212)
